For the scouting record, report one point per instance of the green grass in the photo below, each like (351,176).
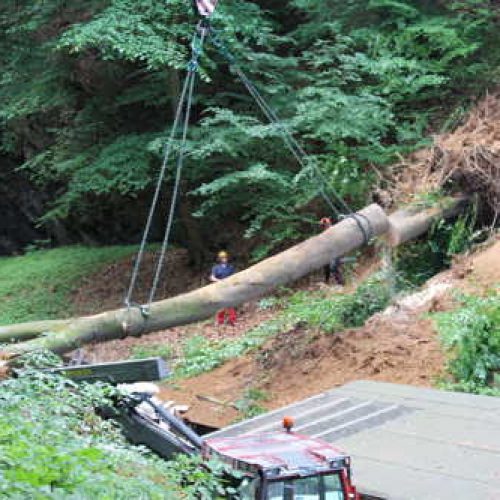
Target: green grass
(315,310)
(38,285)
(152,351)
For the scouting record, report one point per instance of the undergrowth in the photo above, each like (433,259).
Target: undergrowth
(249,405)
(38,285)
(418,261)
(321,310)
(54,446)
(200,355)
(164,351)
(332,313)
(471,335)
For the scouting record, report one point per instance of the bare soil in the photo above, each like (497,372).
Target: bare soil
(106,289)
(399,345)
(299,363)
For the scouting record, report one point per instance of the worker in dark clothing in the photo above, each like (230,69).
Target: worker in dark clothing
(334,268)
(222,270)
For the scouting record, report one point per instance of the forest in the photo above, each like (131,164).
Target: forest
(300,110)
(88,92)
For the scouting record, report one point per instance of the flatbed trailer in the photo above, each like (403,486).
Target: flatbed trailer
(407,443)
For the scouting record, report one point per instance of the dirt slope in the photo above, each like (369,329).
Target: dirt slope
(399,345)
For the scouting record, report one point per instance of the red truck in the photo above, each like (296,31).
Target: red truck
(285,466)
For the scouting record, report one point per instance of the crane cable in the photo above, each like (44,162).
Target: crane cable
(185,101)
(341,209)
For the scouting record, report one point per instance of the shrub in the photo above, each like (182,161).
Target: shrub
(53,445)
(471,335)
(416,262)
(333,313)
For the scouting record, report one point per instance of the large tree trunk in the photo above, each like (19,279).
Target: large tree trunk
(244,286)
(411,222)
(254,282)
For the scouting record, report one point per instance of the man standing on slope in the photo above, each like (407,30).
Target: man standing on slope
(222,270)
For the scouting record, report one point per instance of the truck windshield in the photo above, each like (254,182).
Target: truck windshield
(327,487)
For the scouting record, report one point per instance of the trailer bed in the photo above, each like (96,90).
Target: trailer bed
(405,442)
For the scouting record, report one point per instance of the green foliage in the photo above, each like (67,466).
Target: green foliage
(38,285)
(471,334)
(249,405)
(201,355)
(369,298)
(332,313)
(54,446)
(87,92)
(469,387)
(268,303)
(202,480)
(152,351)
(416,262)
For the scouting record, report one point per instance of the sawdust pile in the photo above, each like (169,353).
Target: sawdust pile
(466,160)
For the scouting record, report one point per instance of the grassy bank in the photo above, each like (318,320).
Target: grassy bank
(38,285)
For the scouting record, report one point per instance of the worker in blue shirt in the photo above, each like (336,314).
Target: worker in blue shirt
(222,270)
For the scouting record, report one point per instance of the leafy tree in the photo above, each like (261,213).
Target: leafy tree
(88,92)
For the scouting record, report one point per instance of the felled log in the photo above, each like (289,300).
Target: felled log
(200,304)
(414,221)
(250,284)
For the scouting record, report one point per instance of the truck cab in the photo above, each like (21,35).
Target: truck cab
(285,466)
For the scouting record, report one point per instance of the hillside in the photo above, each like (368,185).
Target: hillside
(400,345)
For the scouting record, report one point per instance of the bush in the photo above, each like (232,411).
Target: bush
(334,313)
(416,262)
(471,335)
(201,355)
(53,445)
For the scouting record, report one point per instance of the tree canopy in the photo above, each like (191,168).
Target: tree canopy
(88,91)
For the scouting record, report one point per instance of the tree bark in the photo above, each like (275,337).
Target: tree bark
(411,222)
(247,285)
